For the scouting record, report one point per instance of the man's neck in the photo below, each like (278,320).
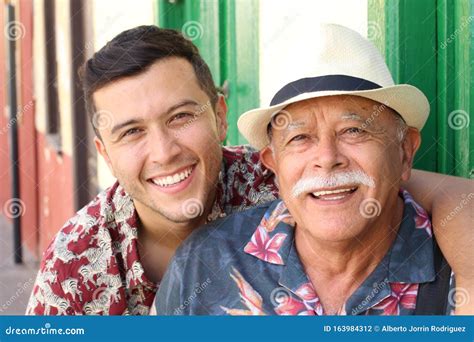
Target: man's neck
(158,239)
(158,229)
(336,269)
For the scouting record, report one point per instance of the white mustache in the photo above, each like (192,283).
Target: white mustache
(310,184)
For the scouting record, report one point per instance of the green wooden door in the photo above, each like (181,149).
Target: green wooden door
(429,44)
(226,33)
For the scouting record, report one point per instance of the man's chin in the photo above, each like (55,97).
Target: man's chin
(184,212)
(333,226)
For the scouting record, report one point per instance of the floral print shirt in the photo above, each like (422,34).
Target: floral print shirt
(92,266)
(247,264)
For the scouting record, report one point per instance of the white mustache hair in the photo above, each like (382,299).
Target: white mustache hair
(310,184)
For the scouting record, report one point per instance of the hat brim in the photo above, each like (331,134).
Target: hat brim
(406,100)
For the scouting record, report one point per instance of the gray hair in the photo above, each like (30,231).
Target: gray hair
(402,128)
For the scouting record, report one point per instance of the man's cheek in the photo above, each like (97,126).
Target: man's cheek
(285,185)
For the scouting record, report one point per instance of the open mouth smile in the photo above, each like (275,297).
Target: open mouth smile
(174,182)
(333,194)
(173,179)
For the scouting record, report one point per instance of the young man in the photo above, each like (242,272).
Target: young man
(160,123)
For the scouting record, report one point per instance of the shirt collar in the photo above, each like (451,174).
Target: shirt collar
(409,260)
(217,210)
(126,221)
(273,238)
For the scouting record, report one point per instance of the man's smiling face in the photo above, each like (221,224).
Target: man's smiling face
(163,138)
(335,153)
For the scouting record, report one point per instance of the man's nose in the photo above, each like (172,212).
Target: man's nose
(163,146)
(327,155)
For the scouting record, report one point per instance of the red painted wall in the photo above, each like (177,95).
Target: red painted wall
(46,177)
(5,190)
(56,190)
(27,132)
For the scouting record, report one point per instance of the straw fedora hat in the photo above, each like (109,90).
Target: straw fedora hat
(346,64)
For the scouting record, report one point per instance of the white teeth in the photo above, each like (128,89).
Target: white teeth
(173,179)
(329,192)
(333,198)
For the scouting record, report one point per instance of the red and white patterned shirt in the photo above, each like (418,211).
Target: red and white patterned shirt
(92,265)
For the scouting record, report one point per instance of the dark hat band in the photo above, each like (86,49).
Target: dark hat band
(322,83)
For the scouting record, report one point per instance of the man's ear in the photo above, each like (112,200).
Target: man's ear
(221,115)
(100,147)
(268,158)
(409,147)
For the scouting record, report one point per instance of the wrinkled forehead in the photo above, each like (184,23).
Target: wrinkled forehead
(335,108)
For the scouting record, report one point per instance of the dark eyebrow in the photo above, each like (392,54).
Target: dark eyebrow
(183,103)
(119,126)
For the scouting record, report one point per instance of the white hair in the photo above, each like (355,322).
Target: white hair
(402,128)
(306,185)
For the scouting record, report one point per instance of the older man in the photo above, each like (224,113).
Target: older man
(344,238)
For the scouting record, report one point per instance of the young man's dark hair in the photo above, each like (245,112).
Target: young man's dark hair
(133,52)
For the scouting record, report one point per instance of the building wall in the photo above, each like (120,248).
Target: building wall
(26,128)
(22,33)
(5,186)
(55,184)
